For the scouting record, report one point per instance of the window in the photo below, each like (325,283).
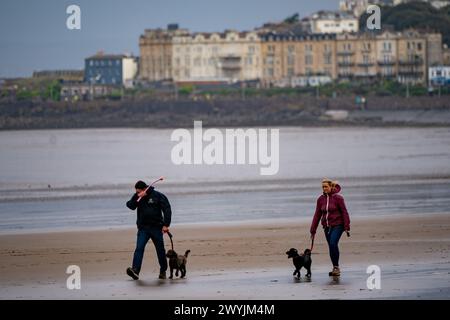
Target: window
(290,60)
(308,60)
(269,60)
(419,46)
(251,49)
(327,58)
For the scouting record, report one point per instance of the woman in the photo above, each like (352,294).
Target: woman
(335,220)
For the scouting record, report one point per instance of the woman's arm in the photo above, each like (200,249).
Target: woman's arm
(344,212)
(316,218)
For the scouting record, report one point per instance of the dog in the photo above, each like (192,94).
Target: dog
(300,261)
(177,262)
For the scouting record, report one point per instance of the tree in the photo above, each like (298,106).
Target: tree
(292,19)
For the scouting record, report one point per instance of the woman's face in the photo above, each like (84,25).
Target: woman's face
(326,188)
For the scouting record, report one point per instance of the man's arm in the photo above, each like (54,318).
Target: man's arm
(132,203)
(166,209)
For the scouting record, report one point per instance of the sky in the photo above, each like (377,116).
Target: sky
(34,35)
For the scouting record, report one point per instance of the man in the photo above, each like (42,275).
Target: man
(153,220)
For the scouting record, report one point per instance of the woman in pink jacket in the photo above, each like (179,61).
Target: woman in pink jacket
(331,211)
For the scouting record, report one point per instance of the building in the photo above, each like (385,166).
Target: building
(181,56)
(60,75)
(439,75)
(332,22)
(287,56)
(446,55)
(155,47)
(83,91)
(230,57)
(110,69)
(276,57)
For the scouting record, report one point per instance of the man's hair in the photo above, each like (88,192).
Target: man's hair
(140,185)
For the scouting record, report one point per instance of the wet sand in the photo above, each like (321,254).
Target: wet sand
(235,261)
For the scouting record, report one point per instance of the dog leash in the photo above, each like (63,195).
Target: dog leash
(312,243)
(170,237)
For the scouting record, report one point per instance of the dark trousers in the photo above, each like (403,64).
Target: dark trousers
(333,234)
(143,235)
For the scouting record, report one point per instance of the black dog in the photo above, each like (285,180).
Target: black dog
(177,262)
(300,261)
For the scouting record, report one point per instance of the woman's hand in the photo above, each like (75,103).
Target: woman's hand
(312,236)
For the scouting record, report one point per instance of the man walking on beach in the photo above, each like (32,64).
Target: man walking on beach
(153,220)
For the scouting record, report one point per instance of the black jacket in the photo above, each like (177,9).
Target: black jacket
(150,209)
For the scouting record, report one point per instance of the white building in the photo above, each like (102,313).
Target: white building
(210,57)
(439,75)
(333,22)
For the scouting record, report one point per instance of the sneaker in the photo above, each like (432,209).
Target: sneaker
(336,272)
(162,275)
(132,273)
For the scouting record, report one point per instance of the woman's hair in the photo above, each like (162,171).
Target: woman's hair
(330,182)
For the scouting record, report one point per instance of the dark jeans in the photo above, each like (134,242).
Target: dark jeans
(143,235)
(333,234)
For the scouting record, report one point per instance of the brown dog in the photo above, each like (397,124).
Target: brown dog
(177,262)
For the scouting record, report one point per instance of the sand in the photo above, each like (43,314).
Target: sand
(235,261)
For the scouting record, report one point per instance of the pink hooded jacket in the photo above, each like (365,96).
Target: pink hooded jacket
(331,210)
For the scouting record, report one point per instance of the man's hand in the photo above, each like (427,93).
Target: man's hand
(348,233)
(165,229)
(142,193)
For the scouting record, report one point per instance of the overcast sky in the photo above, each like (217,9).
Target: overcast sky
(34,35)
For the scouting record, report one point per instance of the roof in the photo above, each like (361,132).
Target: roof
(101,56)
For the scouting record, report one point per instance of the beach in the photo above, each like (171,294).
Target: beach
(235,261)
(63,194)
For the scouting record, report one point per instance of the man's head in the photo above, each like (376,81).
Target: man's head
(140,186)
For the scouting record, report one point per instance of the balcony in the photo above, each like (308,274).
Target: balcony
(345,53)
(411,73)
(365,64)
(346,64)
(230,62)
(365,74)
(386,63)
(345,74)
(413,62)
